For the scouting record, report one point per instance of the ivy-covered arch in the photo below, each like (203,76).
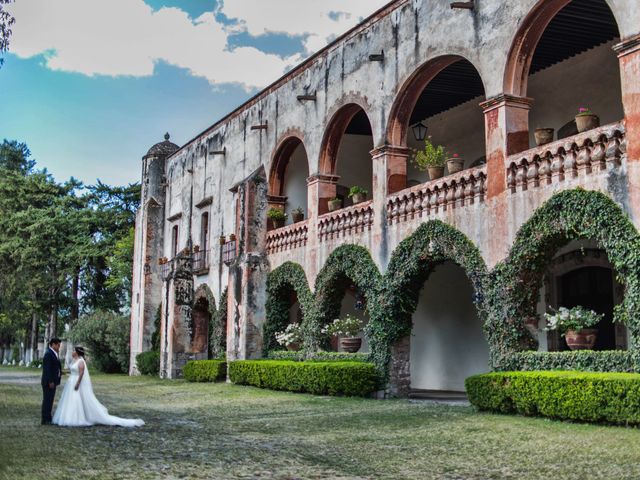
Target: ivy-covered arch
(411,263)
(281,282)
(515,282)
(347,264)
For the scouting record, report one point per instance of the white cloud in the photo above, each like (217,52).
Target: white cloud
(127,37)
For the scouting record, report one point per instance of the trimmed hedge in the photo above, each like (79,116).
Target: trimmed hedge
(320,378)
(581,360)
(318,356)
(205,371)
(148,363)
(578,396)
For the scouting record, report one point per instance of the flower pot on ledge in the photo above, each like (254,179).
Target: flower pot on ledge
(455,165)
(297,217)
(351,344)
(334,205)
(586,122)
(277,223)
(584,339)
(435,172)
(543,136)
(358,197)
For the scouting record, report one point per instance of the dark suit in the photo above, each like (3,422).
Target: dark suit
(51,373)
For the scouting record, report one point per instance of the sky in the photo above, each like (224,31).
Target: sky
(91,85)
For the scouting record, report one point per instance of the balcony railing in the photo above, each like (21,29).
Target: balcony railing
(586,153)
(200,261)
(166,269)
(289,237)
(347,221)
(453,191)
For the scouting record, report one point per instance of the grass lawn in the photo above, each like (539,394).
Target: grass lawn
(223,431)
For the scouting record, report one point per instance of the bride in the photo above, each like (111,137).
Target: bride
(78,406)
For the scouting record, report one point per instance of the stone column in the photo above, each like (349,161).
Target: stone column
(629,56)
(506,119)
(320,189)
(389,176)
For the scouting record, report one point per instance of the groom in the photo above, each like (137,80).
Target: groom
(51,374)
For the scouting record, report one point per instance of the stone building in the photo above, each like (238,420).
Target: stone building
(481,77)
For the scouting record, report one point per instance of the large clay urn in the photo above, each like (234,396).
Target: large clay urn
(584,339)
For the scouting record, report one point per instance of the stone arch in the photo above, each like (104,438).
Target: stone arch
(432,243)
(287,144)
(340,117)
(288,278)
(515,283)
(347,264)
(203,313)
(526,40)
(409,93)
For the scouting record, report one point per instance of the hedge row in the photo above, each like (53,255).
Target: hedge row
(205,371)
(578,396)
(318,356)
(582,360)
(148,363)
(320,378)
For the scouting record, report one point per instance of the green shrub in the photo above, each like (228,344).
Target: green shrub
(582,360)
(205,371)
(320,378)
(148,363)
(578,396)
(106,336)
(318,356)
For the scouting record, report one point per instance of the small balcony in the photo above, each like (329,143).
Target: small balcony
(200,262)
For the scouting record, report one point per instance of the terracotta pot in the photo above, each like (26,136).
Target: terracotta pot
(277,223)
(297,217)
(293,347)
(358,197)
(351,344)
(585,339)
(435,172)
(587,122)
(455,165)
(335,205)
(543,135)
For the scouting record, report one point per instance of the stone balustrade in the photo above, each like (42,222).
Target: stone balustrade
(289,237)
(347,221)
(586,153)
(453,191)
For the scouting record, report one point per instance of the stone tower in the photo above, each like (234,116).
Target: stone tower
(149,242)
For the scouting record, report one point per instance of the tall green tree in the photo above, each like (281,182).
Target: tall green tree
(6,22)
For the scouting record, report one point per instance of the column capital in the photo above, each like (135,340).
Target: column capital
(627,46)
(322,178)
(394,150)
(506,100)
(276,199)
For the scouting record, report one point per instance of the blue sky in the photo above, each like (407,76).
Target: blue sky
(90,89)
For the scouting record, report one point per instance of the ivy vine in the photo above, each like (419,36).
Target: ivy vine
(218,329)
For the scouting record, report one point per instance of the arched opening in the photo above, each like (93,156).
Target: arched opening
(353,303)
(346,156)
(447,342)
(200,319)
(563,59)
(288,179)
(443,96)
(580,274)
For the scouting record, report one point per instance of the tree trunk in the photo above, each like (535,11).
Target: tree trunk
(34,336)
(75,304)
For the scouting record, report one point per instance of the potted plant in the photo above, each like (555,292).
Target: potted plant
(586,120)
(291,337)
(277,217)
(455,163)
(357,194)
(346,329)
(543,135)
(431,159)
(334,204)
(573,324)
(297,215)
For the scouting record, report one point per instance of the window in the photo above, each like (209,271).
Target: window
(174,241)
(204,232)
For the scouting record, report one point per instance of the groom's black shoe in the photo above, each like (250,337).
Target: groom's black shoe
(45,423)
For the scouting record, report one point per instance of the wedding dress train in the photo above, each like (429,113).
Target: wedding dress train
(81,408)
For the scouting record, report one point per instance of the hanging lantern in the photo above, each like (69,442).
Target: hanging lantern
(419,131)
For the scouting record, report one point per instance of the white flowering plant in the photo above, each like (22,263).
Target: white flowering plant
(290,335)
(344,327)
(575,318)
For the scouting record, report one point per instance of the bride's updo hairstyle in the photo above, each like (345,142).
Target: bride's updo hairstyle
(80,351)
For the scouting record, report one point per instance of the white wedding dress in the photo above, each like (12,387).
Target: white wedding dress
(81,408)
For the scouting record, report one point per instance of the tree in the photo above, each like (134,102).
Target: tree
(6,22)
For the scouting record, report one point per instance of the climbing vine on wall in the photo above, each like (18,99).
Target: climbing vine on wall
(218,329)
(515,283)
(411,263)
(281,283)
